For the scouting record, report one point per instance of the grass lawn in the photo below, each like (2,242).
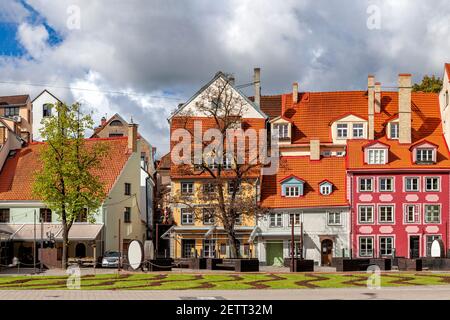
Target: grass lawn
(224,281)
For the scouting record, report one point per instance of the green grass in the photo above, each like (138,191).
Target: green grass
(222,281)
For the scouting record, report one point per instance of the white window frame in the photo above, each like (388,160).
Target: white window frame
(371,221)
(386,178)
(380,207)
(392,246)
(371,184)
(297,219)
(427,152)
(334,218)
(342,128)
(189,190)
(211,220)
(326,186)
(292,191)
(372,244)
(393,125)
(432,190)
(283,130)
(276,220)
(379,155)
(416,213)
(425,206)
(405,183)
(359,130)
(188,214)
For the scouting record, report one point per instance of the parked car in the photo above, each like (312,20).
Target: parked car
(111,259)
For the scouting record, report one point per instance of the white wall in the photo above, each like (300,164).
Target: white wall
(445,109)
(37,110)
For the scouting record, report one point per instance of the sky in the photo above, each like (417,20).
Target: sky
(141,58)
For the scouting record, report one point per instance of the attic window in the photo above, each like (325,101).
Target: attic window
(425,155)
(292,187)
(283,130)
(326,188)
(376,156)
(116,123)
(393,130)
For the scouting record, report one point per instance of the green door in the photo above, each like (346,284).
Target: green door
(274,254)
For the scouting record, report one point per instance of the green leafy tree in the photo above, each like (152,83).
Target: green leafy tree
(67,183)
(429,84)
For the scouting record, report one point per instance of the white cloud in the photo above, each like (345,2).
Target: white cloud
(33,39)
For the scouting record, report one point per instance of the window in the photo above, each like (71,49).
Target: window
(294,217)
(12,111)
(340,154)
(358,130)
(209,248)
(283,130)
(208,188)
(4,215)
(326,189)
(342,130)
(227,163)
(365,214)
(45,215)
(326,153)
(115,134)
(385,214)
(47,110)
(430,240)
(188,248)
(187,217)
(334,218)
(432,213)
(376,156)
(208,216)
(365,246)
(432,184)
(412,184)
(127,189)
(411,213)
(187,187)
(386,245)
(82,216)
(231,188)
(127,215)
(365,184)
(386,184)
(297,248)
(424,155)
(394,130)
(238,219)
(276,220)
(292,191)
(116,123)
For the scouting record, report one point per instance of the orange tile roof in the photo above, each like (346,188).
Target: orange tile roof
(447,68)
(17,175)
(313,173)
(19,99)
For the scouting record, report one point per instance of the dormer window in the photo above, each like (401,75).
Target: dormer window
(325,188)
(358,130)
(282,127)
(283,130)
(393,130)
(376,156)
(342,130)
(292,187)
(424,155)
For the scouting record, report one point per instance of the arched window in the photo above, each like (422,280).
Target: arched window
(116,123)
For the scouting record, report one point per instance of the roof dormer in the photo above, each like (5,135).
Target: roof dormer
(325,188)
(424,152)
(376,153)
(392,128)
(348,126)
(283,127)
(292,186)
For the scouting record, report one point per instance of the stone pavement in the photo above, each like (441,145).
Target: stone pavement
(391,293)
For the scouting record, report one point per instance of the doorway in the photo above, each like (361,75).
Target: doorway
(274,254)
(188,248)
(327,252)
(414,247)
(80,250)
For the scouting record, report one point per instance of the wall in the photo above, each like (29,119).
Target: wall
(38,104)
(445,109)
(350,120)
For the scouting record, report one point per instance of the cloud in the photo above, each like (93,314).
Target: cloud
(156,51)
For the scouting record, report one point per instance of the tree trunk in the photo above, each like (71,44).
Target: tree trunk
(65,236)
(233,245)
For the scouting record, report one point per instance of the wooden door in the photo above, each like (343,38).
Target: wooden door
(327,252)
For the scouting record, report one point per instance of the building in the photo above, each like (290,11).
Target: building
(21,212)
(116,126)
(17,111)
(203,236)
(42,107)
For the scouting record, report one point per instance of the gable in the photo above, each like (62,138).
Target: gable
(191,108)
(350,117)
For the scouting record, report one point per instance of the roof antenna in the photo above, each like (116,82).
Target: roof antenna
(131,119)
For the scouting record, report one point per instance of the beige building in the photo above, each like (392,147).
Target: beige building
(18,111)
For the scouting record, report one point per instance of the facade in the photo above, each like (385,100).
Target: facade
(42,106)
(201,236)
(23,217)
(18,111)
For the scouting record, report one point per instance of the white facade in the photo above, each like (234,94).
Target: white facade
(444,102)
(38,105)
(316,228)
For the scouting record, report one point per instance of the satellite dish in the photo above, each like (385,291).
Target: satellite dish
(437,248)
(135,254)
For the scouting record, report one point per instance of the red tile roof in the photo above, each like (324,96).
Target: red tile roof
(19,99)
(447,68)
(313,173)
(17,175)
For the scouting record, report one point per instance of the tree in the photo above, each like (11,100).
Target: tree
(66,183)
(230,191)
(429,84)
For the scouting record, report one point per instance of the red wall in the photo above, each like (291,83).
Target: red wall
(399,232)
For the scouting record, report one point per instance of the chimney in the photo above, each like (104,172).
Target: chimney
(377,97)
(314,149)
(295,92)
(103,122)
(371,105)
(132,137)
(404,107)
(257,82)
(231,79)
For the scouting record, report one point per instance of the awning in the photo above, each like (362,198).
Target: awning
(166,235)
(26,232)
(210,231)
(253,235)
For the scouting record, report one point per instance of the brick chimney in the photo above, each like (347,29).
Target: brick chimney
(295,92)
(404,107)
(103,122)
(377,97)
(371,107)
(132,137)
(314,149)
(257,83)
